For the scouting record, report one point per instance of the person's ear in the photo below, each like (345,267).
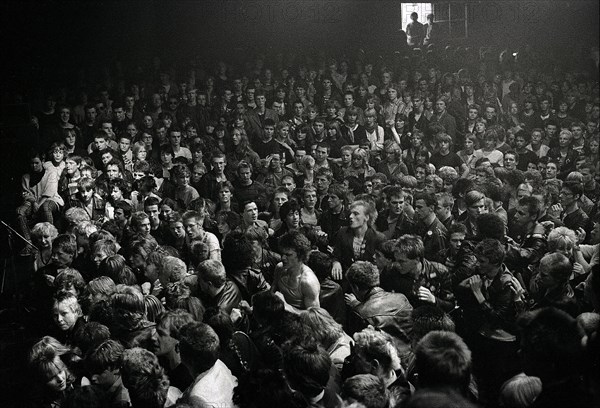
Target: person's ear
(375,366)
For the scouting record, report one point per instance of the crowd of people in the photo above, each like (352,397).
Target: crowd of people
(414,231)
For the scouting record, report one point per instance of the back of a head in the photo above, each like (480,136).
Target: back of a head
(490,226)
(366,389)
(428,318)
(443,360)
(144,378)
(550,344)
(199,344)
(307,367)
(520,391)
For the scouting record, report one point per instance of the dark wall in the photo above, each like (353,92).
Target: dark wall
(66,33)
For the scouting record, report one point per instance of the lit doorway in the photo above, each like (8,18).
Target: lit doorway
(422,9)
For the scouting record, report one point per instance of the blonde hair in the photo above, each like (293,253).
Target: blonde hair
(561,238)
(322,326)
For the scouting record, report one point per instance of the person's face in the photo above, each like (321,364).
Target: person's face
(444,146)
(577,132)
(551,130)
(108,129)
(166,157)
(100,143)
(322,183)
(182,180)
(124,145)
(153,213)
(473,114)
(245,175)
(119,114)
(430,187)
(289,184)
(298,109)
(175,138)
(486,268)
(333,201)
(490,113)
(456,241)
(566,197)
(87,195)
(440,106)
(120,216)
(489,144)
(594,147)
(386,78)
(392,94)
(91,114)
(546,280)
(269,132)
(321,154)
(292,220)
(477,208)
(279,199)
(310,199)
(406,264)
(148,122)
(116,194)
(218,164)
(236,137)
(58,155)
(64,317)
(192,227)
(368,187)
(70,139)
(420,174)
(58,382)
(60,258)
(510,162)
(531,166)
(319,127)
(98,256)
(250,213)
(469,145)
(289,257)
(522,216)
(542,168)
(112,171)
(564,140)
(65,115)
(479,127)
(422,210)
(300,92)
(551,170)
(71,166)
(358,217)
(177,229)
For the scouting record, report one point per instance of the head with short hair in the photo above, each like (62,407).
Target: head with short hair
(199,346)
(366,389)
(307,368)
(212,272)
(363,275)
(144,378)
(296,241)
(550,345)
(562,239)
(442,359)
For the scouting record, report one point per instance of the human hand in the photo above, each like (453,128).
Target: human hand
(425,295)
(350,299)
(475,283)
(336,271)
(578,269)
(581,234)
(245,307)
(235,315)
(556,210)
